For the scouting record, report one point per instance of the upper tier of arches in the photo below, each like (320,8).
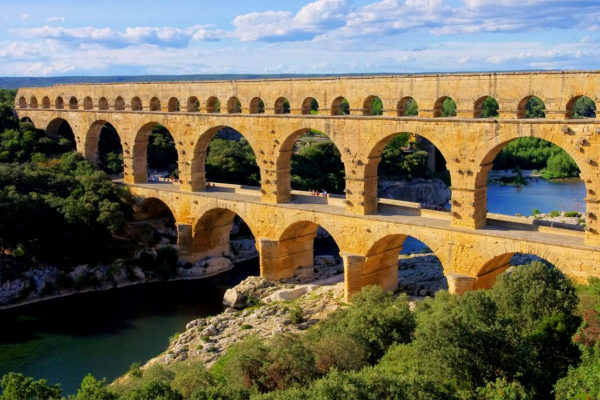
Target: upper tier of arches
(463,96)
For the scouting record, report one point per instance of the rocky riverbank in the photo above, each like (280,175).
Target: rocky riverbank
(431,192)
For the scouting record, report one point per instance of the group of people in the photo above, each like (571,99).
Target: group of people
(321,193)
(209,185)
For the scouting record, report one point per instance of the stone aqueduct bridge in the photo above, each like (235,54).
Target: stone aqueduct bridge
(473,246)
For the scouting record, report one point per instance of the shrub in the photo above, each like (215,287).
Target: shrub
(16,386)
(571,214)
(94,389)
(296,315)
(535,211)
(554,213)
(135,370)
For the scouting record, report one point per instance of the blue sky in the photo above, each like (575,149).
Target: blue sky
(126,37)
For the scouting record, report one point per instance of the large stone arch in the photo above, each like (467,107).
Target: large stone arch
(211,231)
(198,157)
(150,207)
(283,162)
(54,125)
(92,138)
(495,260)
(139,152)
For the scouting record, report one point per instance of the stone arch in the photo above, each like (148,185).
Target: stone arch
(283,162)
(498,259)
(478,109)
(22,102)
(173,104)
(153,207)
(119,103)
(438,106)
(45,102)
(213,105)
(92,139)
(136,104)
(198,161)
(570,108)
(73,104)
(368,106)
(140,151)
(340,106)
(88,103)
(282,106)
(193,104)
(103,104)
(522,107)
(154,104)
(310,106)
(295,249)
(33,102)
(60,127)
(257,106)
(381,261)
(234,106)
(403,106)
(59,103)
(211,232)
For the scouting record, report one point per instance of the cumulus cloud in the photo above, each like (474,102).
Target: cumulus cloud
(314,18)
(107,37)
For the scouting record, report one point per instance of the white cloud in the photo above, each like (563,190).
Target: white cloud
(25,16)
(107,37)
(56,19)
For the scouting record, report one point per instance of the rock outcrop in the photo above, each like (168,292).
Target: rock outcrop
(424,191)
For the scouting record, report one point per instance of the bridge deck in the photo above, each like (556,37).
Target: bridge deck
(392,214)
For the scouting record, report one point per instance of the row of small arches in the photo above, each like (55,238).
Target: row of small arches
(485,106)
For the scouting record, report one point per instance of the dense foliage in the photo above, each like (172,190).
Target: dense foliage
(232,161)
(514,341)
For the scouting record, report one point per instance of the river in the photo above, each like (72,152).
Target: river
(104,332)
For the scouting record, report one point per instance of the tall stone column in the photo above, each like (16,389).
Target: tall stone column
(185,175)
(469,207)
(275,185)
(361,186)
(353,269)
(184,241)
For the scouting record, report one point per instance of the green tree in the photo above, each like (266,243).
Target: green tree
(231,161)
(16,386)
(318,166)
(535,108)
(448,108)
(93,389)
(489,108)
(584,107)
(154,390)
(162,153)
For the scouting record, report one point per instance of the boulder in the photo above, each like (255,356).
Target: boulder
(234,298)
(217,265)
(209,331)
(286,294)
(325,260)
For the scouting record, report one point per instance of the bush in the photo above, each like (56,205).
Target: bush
(555,213)
(16,386)
(93,389)
(572,214)
(296,315)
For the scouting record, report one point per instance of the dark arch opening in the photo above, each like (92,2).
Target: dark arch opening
(45,102)
(173,105)
(59,103)
(535,178)
(213,105)
(282,106)
(401,262)
(103,104)
(315,162)
(159,214)
(311,251)
(408,107)
(257,106)
(226,157)
(110,150)
(136,104)
(372,106)
(155,155)
(234,106)
(33,102)
(531,107)
(444,107)
(88,103)
(22,102)
(581,107)
(119,103)
(193,104)
(412,169)
(310,106)
(154,104)
(73,104)
(60,130)
(340,106)
(486,107)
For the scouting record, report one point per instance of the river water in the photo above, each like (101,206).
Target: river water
(104,332)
